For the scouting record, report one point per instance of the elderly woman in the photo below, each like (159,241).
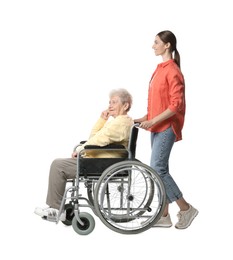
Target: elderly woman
(103,133)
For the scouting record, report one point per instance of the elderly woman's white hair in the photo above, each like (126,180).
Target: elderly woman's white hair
(124,96)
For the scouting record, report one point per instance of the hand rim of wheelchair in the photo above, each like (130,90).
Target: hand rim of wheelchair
(90,193)
(115,220)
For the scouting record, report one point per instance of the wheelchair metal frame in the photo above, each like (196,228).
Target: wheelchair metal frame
(117,173)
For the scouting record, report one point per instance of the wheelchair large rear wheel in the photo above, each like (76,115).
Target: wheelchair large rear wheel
(129,197)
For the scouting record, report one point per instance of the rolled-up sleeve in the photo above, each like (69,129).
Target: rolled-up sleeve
(176,92)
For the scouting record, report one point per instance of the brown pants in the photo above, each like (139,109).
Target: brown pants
(60,171)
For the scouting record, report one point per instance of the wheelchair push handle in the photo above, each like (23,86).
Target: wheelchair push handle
(136,124)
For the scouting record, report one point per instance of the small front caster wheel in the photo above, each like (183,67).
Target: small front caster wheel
(89,224)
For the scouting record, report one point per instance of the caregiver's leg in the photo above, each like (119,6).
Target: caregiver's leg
(162,144)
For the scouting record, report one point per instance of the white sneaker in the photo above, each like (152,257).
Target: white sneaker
(50,214)
(185,218)
(164,222)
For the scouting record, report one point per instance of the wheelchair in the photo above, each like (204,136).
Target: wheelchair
(125,194)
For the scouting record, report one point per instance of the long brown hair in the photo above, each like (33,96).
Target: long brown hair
(168,36)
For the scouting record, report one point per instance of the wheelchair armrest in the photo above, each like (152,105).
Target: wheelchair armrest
(81,143)
(97,147)
(106,147)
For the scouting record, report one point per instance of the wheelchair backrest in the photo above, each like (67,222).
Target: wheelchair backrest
(133,141)
(95,166)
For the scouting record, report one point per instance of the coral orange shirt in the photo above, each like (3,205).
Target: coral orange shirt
(167,90)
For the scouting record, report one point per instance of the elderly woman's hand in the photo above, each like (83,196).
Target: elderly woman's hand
(105,114)
(74,155)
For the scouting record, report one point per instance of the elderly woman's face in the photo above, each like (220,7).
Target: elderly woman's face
(116,107)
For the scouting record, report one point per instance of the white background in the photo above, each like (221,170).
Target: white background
(58,62)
